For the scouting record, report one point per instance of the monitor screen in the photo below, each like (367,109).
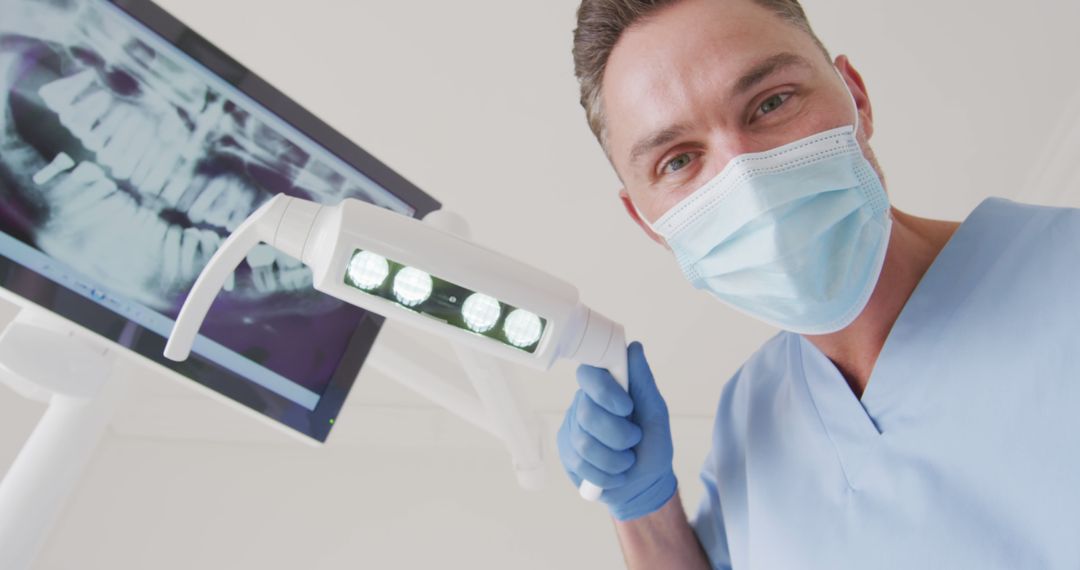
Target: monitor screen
(129,148)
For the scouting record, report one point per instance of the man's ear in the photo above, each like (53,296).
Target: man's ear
(858,90)
(628,204)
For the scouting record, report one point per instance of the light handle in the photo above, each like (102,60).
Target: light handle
(603,345)
(587,490)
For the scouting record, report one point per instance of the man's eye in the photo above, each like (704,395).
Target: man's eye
(678,163)
(773,103)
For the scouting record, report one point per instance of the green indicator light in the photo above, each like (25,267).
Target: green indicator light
(331,421)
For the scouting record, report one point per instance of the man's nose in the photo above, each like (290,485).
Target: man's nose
(725,145)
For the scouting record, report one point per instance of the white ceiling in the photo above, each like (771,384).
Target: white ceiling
(475,102)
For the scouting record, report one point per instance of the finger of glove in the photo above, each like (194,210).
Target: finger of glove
(567,454)
(602,387)
(614,431)
(599,455)
(580,468)
(576,466)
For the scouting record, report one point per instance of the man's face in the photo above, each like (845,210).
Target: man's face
(703,81)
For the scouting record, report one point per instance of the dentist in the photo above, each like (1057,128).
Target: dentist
(919,407)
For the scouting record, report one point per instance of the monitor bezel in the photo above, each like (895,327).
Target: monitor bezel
(314,424)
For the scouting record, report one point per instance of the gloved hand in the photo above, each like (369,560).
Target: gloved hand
(620,442)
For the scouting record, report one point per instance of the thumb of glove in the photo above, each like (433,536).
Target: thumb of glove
(647,399)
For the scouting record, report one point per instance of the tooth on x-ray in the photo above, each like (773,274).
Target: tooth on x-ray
(261,260)
(61,163)
(85,187)
(60,94)
(177,185)
(261,256)
(204,124)
(85,112)
(291,273)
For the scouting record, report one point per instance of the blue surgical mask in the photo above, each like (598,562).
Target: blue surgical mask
(795,236)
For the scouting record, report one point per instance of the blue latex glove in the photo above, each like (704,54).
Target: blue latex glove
(620,442)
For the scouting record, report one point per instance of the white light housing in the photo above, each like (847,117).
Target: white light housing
(412,286)
(368,270)
(481,312)
(522,328)
(325,237)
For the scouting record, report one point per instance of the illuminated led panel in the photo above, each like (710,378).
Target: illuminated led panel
(416,290)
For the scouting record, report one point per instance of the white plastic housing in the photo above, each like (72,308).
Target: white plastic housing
(352,225)
(325,238)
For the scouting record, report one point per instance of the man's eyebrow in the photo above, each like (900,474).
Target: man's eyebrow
(761,71)
(658,138)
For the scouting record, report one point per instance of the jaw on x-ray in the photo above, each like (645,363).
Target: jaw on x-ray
(132,170)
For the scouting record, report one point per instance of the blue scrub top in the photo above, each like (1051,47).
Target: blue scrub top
(964,451)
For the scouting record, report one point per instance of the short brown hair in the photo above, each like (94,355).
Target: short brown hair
(600,24)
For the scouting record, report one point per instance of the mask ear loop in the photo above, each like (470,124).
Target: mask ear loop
(644,219)
(851,96)
(854,104)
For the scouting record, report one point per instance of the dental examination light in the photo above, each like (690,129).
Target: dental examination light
(408,270)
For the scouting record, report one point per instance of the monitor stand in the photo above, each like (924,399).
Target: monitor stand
(44,360)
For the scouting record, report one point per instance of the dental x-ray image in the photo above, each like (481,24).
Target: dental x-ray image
(122,161)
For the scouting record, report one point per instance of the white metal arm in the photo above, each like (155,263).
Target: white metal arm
(49,363)
(507,414)
(259,227)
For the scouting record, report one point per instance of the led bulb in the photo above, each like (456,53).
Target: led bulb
(522,328)
(412,286)
(481,312)
(368,270)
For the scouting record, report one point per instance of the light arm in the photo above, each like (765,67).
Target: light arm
(259,227)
